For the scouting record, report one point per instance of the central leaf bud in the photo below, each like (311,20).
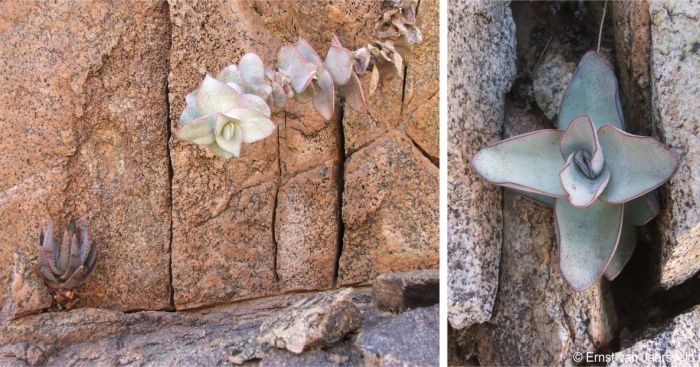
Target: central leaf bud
(583,160)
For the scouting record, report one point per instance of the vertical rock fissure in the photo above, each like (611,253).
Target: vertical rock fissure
(341,186)
(168,122)
(274,207)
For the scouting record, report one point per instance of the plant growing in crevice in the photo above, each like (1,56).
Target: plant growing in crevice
(600,180)
(235,107)
(66,266)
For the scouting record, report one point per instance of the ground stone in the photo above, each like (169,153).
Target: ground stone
(673,344)
(398,292)
(411,339)
(390,211)
(481,45)
(316,321)
(675,80)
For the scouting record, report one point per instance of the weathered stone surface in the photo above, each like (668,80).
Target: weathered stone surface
(211,337)
(83,89)
(673,344)
(237,257)
(321,319)
(421,98)
(408,104)
(27,293)
(207,190)
(538,319)
(383,114)
(411,339)
(675,82)
(306,225)
(342,353)
(461,347)
(549,80)
(632,48)
(390,210)
(481,66)
(81,337)
(398,292)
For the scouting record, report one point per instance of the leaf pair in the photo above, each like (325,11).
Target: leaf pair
(313,79)
(599,178)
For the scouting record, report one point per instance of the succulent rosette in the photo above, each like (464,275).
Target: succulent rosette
(230,110)
(600,179)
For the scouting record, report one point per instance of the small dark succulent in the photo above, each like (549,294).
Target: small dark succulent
(67,266)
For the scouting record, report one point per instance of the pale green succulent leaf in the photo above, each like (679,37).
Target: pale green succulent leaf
(199,131)
(324,100)
(228,134)
(587,240)
(218,151)
(638,164)
(231,74)
(362,59)
(306,95)
(296,67)
(254,102)
(529,162)
(581,190)
(592,91)
(308,51)
(623,253)
(643,209)
(216,96)
(339,63)
(237,87)
(279,96)
(191,98)
(354,96)
(253,125)
(581,135)
(251,67)
(188,114)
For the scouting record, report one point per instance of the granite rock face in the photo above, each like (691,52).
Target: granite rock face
(632,49)
(390,211)
(27,293)
(238,260)
(303,151)
(549,81)
(307,229)
(421,100)
(84,91)
(481,63)
(411,339)
(316,321)
(675,81)
(673,344)
(538,319)
(398,292)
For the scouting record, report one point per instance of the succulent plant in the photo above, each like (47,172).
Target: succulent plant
(66,266)
(235,107)
(600,179)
